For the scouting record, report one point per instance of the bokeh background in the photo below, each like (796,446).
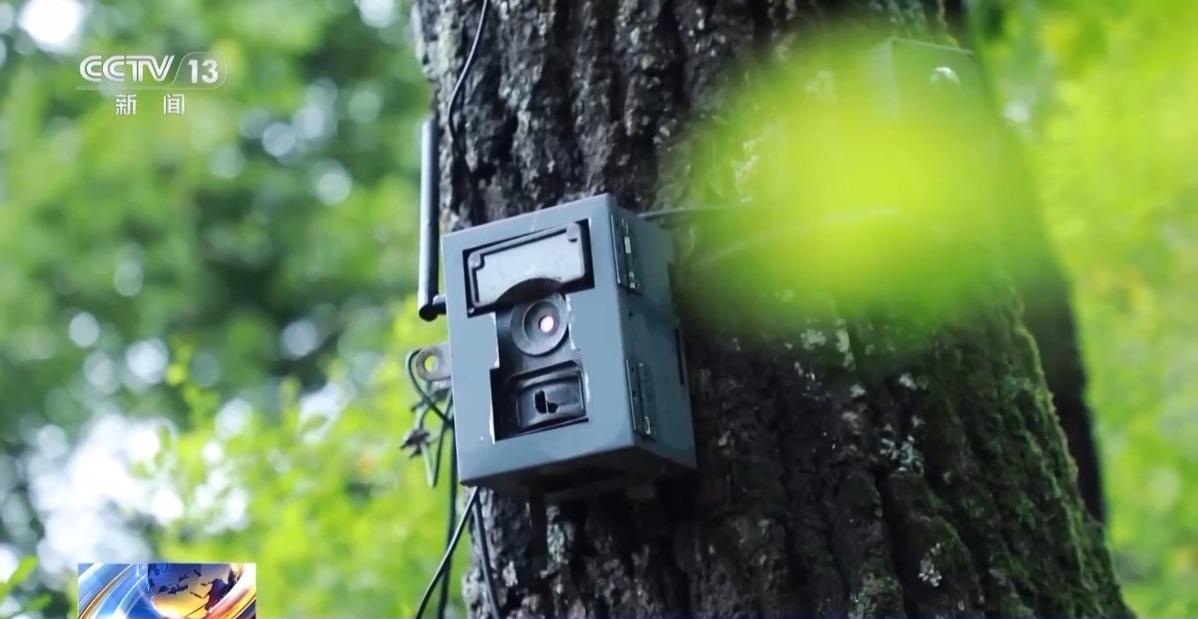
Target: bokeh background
(203,318)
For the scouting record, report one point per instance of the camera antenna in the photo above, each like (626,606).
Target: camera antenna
(432,303)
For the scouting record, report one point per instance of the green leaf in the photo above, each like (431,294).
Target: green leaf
(25,567)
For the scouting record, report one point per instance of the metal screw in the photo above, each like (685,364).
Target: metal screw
(945,76)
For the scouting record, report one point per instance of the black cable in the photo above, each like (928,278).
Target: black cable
(485,550)
(445,558)
(443,603)
(457,87)
(446,431)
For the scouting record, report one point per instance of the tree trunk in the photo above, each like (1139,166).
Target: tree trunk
(835,479)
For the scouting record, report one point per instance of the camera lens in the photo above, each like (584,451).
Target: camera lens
(541,319)
(538,327)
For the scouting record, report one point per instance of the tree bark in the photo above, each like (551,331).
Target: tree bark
(836,479)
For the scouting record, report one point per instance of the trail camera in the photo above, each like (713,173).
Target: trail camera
(566,359)
(564,354)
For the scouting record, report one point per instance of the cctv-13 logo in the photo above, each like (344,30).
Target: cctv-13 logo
(194,71)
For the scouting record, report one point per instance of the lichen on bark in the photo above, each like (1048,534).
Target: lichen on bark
(840,474)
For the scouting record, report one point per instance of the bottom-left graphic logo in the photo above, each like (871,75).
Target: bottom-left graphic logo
(167,591)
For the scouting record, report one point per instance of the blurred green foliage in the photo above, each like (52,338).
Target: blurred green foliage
(339,520)
(1115,156)
(832,177)
(19,575)
(247,255)
(232,262)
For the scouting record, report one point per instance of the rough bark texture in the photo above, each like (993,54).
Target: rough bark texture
(836,478)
